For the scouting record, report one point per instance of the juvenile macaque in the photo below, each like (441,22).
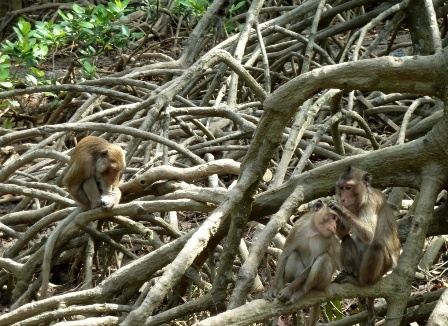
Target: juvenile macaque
(309,258)
(94,173)
(370,245)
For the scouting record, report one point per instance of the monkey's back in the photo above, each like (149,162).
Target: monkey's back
(82,159)
(387,229)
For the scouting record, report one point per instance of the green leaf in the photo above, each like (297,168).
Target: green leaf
(4,59)
(88,69)
(24,26)
(38,72)
(7,85)
(237,6)
(63,15)
(87,25)
(18,33)
(7,124)
(40,51)
(333,309)
(125,30)
(78,9)
(31,80)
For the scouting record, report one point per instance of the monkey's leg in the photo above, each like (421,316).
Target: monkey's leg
(79,195)
(373,264)
(370,311)
(351,261)
(319,277)
(286,294)
(278,281)
(92,193)
(314,315)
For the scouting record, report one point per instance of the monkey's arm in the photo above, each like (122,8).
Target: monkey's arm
(79,196)
(92,192)
(364,225)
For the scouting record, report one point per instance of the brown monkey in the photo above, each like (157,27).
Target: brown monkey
(370,245)
(94,173)
(309,258)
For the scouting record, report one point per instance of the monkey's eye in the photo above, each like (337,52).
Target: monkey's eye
(347,188)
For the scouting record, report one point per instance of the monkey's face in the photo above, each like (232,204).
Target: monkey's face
(325,221)
(349,194)
(352,187)
(110,167)
(112,175)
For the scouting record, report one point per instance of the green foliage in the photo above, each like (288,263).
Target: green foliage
(4,71)
(88,70)
(236,6)
(26,49)
(333,309)
(7,123)
(89,30)
(94,28)
(195,8)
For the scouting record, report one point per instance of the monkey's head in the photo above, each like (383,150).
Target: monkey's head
(324,219)
(111,164)
(352,188)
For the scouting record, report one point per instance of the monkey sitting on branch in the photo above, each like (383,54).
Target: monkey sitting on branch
(309,258)
(94,173)
(370,244)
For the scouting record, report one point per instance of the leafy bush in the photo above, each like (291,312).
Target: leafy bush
(88,30)
(195,8)
(4,71)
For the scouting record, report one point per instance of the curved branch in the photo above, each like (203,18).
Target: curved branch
(423,75)
(89,126)
(9,169)
(223,166)
(71,88)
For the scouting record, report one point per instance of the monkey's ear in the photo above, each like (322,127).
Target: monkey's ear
(318,205)
(367,178)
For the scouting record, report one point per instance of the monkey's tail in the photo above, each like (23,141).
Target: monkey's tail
(314,315)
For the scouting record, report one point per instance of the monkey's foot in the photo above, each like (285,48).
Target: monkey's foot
(286,295)
(270,295)
(108,201)
(345,277)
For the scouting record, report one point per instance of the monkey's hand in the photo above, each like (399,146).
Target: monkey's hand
(343,212)
(342,229)
(109,200)
(289,294)
(271,294)
(335,206)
